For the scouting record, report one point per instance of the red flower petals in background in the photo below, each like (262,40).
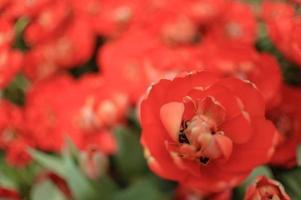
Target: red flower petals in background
(83,118)
(139,65)
(9,194)
(216,85)
(71,48)
(6,33)
(13,138)
(284,28)
(244,63)
(10,65)
(286,117)
(237,25)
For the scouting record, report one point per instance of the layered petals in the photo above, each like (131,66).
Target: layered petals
(265,188)
(189,138)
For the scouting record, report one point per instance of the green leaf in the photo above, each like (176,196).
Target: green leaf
(79,184)
(129,159)
(50,162)
(15,91)
(254,1)
(106,187)
(6,182)
(46,191)
(143,189)
(16,178)
(259,171)
(20,26)
(291,182)
(132,119)
(70,148)
(66,167)
(299,155)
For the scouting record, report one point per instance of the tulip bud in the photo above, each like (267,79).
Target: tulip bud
(93,163)
(265,188)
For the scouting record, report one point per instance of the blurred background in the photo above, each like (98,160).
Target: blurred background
(72,73)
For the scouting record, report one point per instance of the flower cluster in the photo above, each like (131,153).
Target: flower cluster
(215,87)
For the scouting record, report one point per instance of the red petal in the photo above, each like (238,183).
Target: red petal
(256,151)
(183,84)
(238,129)
(212,109)
(223,95)
(153,139)
(252,100)
(171,117)
(225,145)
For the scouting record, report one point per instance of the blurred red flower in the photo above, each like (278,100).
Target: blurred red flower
(73,46)
(284,28)
(83,111)
(287,119)
(7,33)
(10,65)
(9,194)
(10,60)
(115,16)
(198,127)
(237,25)
(244,62)
(13,135)
(48,23)
(139,65)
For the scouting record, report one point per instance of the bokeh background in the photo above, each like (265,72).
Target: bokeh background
(72,73)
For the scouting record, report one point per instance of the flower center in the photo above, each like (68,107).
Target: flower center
(199,133)
(95,115)
(197,138)
(8,135)
(233,30)
(188,32)
(269,193)
(241,70)
(123,14)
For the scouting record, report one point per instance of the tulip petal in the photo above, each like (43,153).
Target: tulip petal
(238,129)
(252,99)
(256,151)
(225,145)
(171,118)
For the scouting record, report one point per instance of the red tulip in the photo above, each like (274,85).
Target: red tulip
(83,111)
(244,62)
(10,65)
(284,28)
(7,34)
(265,188)
(205,132)
(13,135)
(139,65)
(237,25)
(287,119)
